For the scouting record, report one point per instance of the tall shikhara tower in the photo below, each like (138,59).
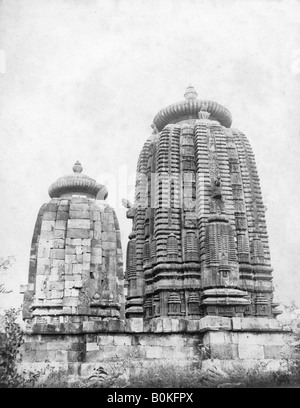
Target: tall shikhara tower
(199,243)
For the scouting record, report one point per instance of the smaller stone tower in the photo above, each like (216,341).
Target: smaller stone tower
(76,270)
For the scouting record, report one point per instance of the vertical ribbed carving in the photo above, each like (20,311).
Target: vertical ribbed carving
(202,184)
(146,253)
(172,248)
(191,247)
(257,251)
(243,248)
(167,211)
(254,202)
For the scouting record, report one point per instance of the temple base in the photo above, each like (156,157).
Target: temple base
(131,349)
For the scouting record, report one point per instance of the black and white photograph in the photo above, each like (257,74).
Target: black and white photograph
(149,179)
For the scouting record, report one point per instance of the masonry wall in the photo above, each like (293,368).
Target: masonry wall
(79,355)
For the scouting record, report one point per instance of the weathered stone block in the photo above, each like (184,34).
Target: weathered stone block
(95,259)
(104,340)
(86,266)
(109,245)
(56,294)
(250,351)
(79,223)
(49,215)
(92,347)
(43,262)
(214,323)
(272,351)
(109,352)
(153,352)
(169,353)
(76,356)
(79,259)
(58,263)
(134,324)
(70,250)
(95,215)
(78,206)
(47,235)
(193,326)
(79,214)
(70,301)
(115,326)
(58,243)
(70,258)
(58,345)
(122,340)
(58,233)
(51,207)
(78,284)
(77,269)
(68,269)
(57,285)
(58,356)
(47,225)
(74,292)
(175,340)
(78,250)
(58,253)
(67,310)
(86,257)
(78,233)
(77,241)
(224,351)
(61,224)
(217,337)
(96,243)
(62,215)
(96,252)
(44,251)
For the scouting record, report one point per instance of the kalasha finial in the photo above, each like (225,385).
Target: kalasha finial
(190,93)
(77,168)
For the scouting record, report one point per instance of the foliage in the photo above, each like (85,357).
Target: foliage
(5,264)
(11,340)
(168,376)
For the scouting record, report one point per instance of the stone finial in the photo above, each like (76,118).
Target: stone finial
(190,93)
(77,168)
(77,183)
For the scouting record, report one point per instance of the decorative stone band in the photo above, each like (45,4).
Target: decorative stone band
(188,109)
(227,296)
(77,183)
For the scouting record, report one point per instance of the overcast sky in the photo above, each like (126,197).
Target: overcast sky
(82,80)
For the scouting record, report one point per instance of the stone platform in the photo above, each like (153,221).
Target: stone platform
(79,350)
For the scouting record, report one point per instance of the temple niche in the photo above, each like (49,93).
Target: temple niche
(76,268)
(199,243)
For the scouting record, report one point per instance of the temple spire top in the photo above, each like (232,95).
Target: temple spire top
(77,168)
(190,93)
(77,183)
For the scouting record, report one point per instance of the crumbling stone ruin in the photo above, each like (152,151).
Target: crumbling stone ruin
(198,273)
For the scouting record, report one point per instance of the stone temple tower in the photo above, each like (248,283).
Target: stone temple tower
(199,243)
(76,269)
(198,271)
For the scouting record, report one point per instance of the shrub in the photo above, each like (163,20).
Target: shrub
(10,342)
